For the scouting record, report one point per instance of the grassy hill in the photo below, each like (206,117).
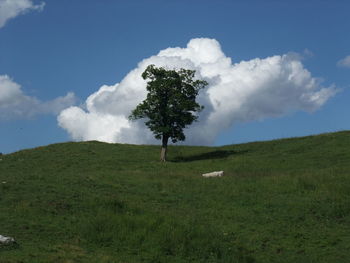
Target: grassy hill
(281,201)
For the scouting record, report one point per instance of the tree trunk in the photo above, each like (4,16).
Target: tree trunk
(164,148)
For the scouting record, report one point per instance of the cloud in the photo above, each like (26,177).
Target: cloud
(11,8)
(345,62)
(237,92)
(14,104)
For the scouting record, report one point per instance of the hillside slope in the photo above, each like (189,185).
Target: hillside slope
(281,201)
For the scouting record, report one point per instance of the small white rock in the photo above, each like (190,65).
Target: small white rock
(6,240)
(214,174)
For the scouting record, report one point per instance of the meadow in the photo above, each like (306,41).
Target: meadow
(279,201)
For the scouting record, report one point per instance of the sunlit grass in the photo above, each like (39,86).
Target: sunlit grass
(280,201)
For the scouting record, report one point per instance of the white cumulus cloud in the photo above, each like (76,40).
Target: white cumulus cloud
(345,62)
(14,104)
(237,92)
(11,8)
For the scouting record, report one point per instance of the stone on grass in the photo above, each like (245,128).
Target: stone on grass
(6,240)
(214,174)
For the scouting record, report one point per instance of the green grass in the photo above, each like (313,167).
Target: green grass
(281,201)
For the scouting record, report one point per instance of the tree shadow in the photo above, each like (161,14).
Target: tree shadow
(218,154)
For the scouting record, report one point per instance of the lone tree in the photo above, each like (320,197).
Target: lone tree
(170,105)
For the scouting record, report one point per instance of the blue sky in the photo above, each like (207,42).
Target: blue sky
(65,47)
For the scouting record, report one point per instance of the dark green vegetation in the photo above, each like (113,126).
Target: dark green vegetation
(281,201)
(170,105)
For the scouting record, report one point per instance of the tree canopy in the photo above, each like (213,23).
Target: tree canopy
(171,104)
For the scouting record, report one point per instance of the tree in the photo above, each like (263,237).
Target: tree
(170,104)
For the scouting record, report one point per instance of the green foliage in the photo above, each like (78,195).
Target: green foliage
(280,201)
(171,104)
